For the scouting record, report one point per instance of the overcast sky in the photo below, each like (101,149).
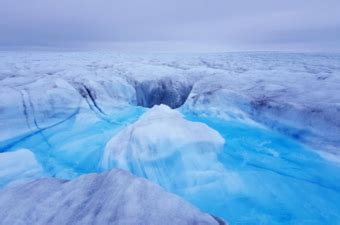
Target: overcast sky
(235,24)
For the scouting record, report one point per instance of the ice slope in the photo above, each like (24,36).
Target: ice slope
(295,94)
(312,121)
(19,166)
(114,197)
(34,103)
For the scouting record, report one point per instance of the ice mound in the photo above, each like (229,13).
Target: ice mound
(115,197)
(166,148)
(18,166)
(160,133)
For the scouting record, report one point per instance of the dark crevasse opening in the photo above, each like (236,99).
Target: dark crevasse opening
(172,93)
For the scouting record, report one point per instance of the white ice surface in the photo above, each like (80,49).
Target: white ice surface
(160,133)
(296,94)
(19,166)
(178,154)
(114,197)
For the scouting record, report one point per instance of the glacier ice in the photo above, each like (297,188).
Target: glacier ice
(168,91)
(271,88)
(44,103)
(160,133)
(162,144)
(178,154)
(156,85)
(277,112)
(18,167)
(296,95)
(114,197)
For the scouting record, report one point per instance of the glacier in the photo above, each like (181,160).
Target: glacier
(252,138)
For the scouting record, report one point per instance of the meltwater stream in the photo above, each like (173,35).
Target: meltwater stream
(276,180)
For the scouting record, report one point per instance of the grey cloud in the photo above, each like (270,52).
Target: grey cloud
(242,22)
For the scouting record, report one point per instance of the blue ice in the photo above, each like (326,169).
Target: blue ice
(284,182)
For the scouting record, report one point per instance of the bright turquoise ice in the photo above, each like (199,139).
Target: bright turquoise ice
(74,148)
(284,181)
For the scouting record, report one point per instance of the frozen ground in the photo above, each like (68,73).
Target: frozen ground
(253,138)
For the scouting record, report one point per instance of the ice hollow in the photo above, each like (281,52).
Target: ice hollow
(157,85)
(166,91)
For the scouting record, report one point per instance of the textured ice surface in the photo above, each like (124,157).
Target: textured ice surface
(74,146)
(19,166)
(157,84)
(296,94)
(277,113)
(160,133)
(178,154)
(283,181)
(114,197)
